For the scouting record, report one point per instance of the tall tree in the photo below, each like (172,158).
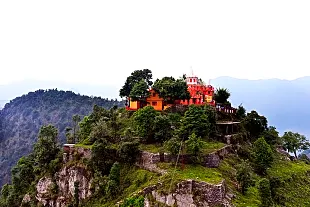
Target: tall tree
(221,95)
(76,119)
(244,176)
(171,89)
(162,128)
(134,78)
(294,142)
(195,121)
(271,136)
(140,91)
(46,148)
(255,124)
(241,112)
(144,122)
(263,155)
(265,193)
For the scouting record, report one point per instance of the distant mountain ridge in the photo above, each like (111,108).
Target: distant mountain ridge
(285,103)
(21,119)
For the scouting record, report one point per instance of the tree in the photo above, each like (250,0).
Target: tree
(22,174)
(144,121)
(263,155)
(271,135)
(244,176)
(294,142)
(76,119)
(128,152)
(162,128)
(195,121)
(46,148)
(241,112)
(265,193)
(212,117)
(140,91)
(194,145)
(114,180)
(102,156)
(255,124)
(170,89)
(173,145)
(134,78)
(221,95)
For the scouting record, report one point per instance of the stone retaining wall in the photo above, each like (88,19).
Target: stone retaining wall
(148,160)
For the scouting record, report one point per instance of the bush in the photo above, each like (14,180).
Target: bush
(265,193)
(128,152)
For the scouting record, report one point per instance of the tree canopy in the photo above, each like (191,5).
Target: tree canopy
(171,89)
(221,95)
(134,78)
(294,142)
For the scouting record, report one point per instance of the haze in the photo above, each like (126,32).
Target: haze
(101,42)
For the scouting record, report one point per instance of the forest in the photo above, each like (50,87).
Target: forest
(21,119)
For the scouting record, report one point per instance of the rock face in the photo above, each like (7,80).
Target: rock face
(63,181)
(148,160)
(189,193)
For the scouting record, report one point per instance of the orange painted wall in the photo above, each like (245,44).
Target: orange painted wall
(155,101)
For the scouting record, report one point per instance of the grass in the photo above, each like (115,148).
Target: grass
(132,181)
(208,147)
(83,146)
(193,172)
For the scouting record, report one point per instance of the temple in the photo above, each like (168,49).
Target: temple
(200,94)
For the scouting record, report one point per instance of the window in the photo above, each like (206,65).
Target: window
(190,80)
(154,94)
(154,103)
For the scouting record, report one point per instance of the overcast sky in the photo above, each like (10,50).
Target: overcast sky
(104,41)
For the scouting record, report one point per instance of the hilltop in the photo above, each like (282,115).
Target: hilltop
(185,154)
(21,119)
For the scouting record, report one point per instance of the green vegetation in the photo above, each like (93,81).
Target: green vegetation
(117,136)
(21,119)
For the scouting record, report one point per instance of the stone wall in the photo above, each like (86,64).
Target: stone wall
(148,160)
(189,193)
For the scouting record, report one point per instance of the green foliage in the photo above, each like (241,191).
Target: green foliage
(162,128)
(263,155)
(102,157)
(173,145)
(140,91)
(114,180)
(135,77)
(265,193)
(128,152)
(136,201)
(255,124)
(194,145)
(46,149)
(244,176)
(241,112)
(221,95)
(170,89)
(144,122)
(24,116)
(271,135)
(195,121)
(294,142)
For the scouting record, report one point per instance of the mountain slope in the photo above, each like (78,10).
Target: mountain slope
(21,119)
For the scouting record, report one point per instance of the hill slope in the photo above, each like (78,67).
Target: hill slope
(21,119)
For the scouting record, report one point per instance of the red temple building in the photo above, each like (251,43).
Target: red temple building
(200,94)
